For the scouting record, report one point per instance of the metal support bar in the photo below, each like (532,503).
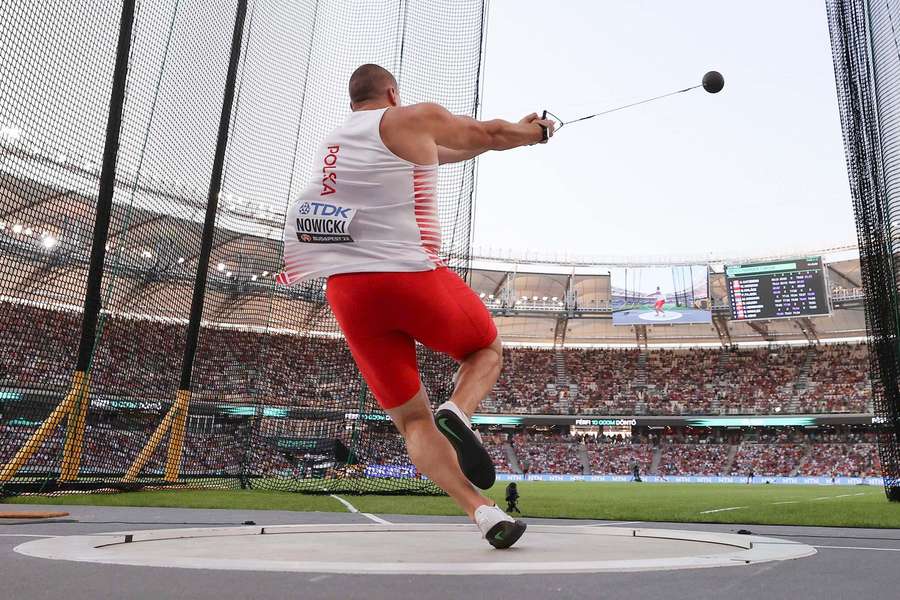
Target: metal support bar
(176,440)
(148,450)
(721,325)
(38,438)
(75,427)
(761,329)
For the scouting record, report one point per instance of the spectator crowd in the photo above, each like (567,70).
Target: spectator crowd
(762,452)
(142,358)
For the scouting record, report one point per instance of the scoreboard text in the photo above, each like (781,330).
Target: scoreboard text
(777,290)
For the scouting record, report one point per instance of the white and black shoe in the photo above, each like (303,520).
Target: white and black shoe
(474,460)
(499,529)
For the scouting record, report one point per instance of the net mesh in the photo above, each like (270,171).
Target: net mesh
(864,38)
(275,401)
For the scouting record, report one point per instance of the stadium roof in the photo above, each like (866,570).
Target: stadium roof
(163,243)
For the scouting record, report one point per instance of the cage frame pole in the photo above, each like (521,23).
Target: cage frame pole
(182,401)
(77,418)
(74,406)
(174,421)
(147,451)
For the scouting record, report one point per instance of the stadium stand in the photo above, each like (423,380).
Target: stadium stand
(764,452)
(771,454)
(694,454)
(681,382)
(496,446)
(789,379)
(549,453)
(760,380)
(838,381)
(617,457)
(848,454)
(604,379)
(525,383)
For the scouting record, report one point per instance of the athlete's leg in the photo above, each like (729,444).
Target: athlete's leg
(432,453)
(457,323)
(450,318)
(371,310)
(476,376)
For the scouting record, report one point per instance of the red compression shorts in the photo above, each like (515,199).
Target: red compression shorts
(382,316)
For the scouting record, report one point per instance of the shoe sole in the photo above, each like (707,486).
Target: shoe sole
(474,460)
(505,533)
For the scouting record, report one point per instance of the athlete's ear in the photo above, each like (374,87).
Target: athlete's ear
(393,96)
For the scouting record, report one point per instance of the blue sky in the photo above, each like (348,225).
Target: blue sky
(756,169)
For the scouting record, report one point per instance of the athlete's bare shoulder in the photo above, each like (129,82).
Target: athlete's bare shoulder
(423,115)
(409,131)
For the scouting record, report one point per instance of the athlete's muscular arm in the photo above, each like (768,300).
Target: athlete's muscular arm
(465,133)
(449,155)
(419,132)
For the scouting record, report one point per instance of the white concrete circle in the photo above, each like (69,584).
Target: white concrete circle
(670,315)
(434,549)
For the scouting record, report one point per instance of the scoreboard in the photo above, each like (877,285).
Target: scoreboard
(777,290)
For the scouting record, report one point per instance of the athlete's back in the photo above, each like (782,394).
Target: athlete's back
(365,209)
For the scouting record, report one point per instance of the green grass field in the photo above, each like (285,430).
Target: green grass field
(857,506)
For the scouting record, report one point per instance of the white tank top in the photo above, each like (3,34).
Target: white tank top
(365,209)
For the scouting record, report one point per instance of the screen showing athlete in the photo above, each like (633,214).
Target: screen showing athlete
(368,221)
(659,305)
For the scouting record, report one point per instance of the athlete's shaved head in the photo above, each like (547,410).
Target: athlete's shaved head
(370,82)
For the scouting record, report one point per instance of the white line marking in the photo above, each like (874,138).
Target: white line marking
(820,498)
(376,518)
(859,548)
(34,535)
(346,504)
(706,512)
(353,509)
(614,523)
(83,548)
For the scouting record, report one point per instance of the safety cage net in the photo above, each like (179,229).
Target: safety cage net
(148,152)
(865,37)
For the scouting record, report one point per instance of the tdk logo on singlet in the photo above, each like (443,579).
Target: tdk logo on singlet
(324,210)
(321,223)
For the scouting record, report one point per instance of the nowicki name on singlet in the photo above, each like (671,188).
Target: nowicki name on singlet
(310,225)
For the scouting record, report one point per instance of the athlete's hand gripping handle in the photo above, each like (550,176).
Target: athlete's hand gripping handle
(549,126)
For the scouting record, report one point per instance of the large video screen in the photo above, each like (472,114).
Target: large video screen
(676,295)
(778,290)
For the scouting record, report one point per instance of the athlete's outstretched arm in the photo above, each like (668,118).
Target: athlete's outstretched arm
(467,134)
(449,155)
